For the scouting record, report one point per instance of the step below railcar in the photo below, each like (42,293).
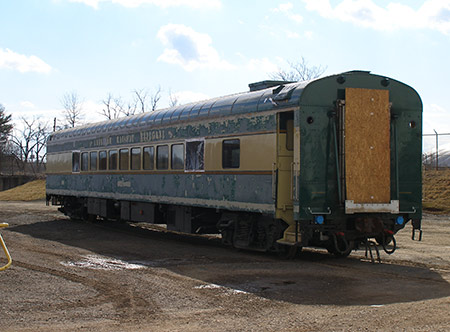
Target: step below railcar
(327,163)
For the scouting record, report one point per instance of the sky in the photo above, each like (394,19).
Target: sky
(198,49)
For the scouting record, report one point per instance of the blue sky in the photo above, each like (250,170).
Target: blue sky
(197,49)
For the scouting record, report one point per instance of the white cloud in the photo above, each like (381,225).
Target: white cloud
(292,34)
(437,15)
(22,63)
(185,97)
(189,49)
(27,104)
(286,9)
(309,35)
(197,4)
(433,14)
(91,110)
(435,117)
(262,65)
(323,7)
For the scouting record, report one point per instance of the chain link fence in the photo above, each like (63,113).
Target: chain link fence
(436,150)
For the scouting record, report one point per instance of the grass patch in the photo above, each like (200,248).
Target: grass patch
(30,191)
(436,191)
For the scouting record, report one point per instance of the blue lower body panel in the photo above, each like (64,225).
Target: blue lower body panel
(240,192)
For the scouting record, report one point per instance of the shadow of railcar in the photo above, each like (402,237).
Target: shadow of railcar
(312,278)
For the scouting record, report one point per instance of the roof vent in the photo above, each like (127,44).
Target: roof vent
(266,84)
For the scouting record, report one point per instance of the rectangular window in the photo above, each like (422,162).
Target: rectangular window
(195,152)
(290,135)
(112,159)
(102,160)
(135,159)
(162,157)
(177,160)
(93,162)
(84,161)
(231,151)
(148,157)
(286,125)
(123,159)
(76,161)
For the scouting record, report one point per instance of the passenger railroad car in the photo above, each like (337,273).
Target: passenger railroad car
(328,163)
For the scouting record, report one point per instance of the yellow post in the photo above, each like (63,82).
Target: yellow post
(8,256)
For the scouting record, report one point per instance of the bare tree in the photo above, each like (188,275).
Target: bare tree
(173,99)
(154,98)
(29,143)
(73,109)
(40,138)
(131,107)
(140,97)
(299,71)
(113,107)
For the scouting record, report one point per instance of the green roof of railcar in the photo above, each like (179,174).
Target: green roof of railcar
(279,95)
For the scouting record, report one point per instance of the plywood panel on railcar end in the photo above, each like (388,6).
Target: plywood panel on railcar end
(367,145)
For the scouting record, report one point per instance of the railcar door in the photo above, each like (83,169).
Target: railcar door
(285,167)
(367,151)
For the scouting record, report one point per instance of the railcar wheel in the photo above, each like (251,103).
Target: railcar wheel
(340,246)
(384,239)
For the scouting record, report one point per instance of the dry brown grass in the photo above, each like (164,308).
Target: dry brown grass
(30,191)
(436,191)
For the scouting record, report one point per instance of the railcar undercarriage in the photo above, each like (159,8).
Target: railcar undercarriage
(250,231)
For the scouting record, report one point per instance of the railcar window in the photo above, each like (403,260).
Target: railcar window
(112,159)
(93,161)
(148,157)
(231,151)
(162,157)
(177,161)
(123,159)
(135,159)
(102,160)
(75,161)
(195,154)
(290,135)
(84,161)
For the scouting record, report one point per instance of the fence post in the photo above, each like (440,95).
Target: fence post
(437,149)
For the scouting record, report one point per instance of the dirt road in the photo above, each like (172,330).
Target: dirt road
(74,276)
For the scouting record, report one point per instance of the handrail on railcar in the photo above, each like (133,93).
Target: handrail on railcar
(8,256)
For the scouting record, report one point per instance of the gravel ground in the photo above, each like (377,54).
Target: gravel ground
(75,276)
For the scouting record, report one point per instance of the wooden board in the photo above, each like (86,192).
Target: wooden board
(367,145)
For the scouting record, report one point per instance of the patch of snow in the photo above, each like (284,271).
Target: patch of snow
(103,263)
(227,290)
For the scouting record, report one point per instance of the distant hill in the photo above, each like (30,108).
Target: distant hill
(444,156)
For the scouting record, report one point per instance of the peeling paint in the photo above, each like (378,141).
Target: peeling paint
(124,184)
